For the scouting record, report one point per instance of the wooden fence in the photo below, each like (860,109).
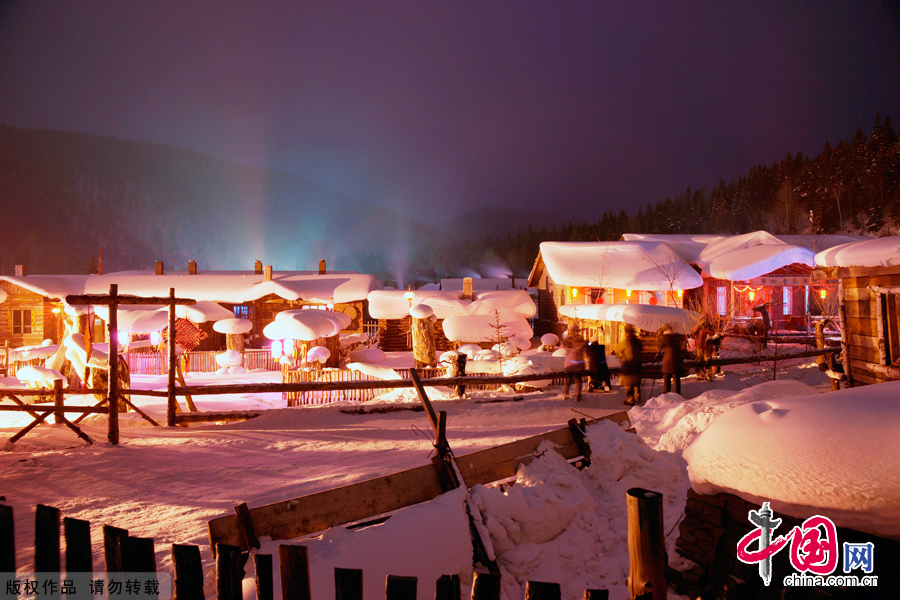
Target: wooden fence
(157,363)
(126,554)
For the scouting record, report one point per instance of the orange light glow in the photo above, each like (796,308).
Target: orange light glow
(822,294)
(751,294)
(574,292)
(628,293)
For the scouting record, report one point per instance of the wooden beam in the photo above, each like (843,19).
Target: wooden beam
(103,299)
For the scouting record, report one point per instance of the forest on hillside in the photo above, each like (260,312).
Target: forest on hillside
(852,187)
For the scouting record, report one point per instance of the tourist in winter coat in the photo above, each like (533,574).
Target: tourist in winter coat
(703,347)
(574,344)
(597,367)
(629,353)
(670,344)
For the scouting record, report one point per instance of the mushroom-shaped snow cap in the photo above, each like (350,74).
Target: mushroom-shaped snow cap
(368,355)
(233,326)
(338,319)
(318,354)
(469,350)
(202,311)
(420,311)
(40,375)
(550,339)
(2,296)
(559,352)
(487,355)
(305,325)
(229,358)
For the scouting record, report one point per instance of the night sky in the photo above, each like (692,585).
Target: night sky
(567,106)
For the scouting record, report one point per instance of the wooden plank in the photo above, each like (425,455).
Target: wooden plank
(46,539)
(229,573)
(596,595)
(113,542)
(316,512)
(542,590)
(242,511)
(486,586)
(78,546)
(188,572)
(216,415)
(447,587)
(400,587)
(265,586)
(294,572)
(138,555)
(7,540)
(348,584)
(103,299)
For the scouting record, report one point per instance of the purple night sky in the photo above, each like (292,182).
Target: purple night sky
(571,106)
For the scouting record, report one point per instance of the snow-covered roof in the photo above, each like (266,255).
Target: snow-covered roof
(746,256)
(648,317)
(809,455)
(880,252)
(646,266)
(231,287)
(393,304)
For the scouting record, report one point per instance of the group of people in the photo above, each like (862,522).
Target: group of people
(591,358)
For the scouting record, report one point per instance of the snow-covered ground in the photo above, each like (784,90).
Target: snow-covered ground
(556,523)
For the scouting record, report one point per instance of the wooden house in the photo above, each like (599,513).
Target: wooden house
(718,275)
(256,295)
(869,306)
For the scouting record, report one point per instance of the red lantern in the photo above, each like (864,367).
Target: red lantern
(653,300)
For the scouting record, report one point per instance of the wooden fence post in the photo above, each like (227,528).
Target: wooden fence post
(399,587)
(294,572)
(113,383)
(78,546)
(59,402)
(265,587)
(188,572)
(542,590)
(486,586)
(229,573)
(113,542)
(46,539)
(7,540)
(348,584)
(447,587)
(138,555)
(646,545)
(596,594)
(172,405)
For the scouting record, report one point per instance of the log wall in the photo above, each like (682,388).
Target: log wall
(44,323)
(861,329)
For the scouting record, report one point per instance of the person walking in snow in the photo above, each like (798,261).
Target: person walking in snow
(597,367)
(574,344)
(629,353)
(670,344)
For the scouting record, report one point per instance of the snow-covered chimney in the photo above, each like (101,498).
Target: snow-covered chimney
(21,271)
(257,268)
(267,273)
(467,288)
(322,267)
(192,267)
(160,268)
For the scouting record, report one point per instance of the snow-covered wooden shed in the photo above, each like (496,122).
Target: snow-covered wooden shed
(869,295)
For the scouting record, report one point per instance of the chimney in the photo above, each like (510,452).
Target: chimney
(192,267)
(322,267)
(257,268)
(160,268)
(513,277)
(21,271)
(267,273)
(467,288)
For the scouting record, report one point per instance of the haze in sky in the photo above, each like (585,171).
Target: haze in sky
(444,106)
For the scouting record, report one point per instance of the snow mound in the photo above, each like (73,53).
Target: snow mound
(809,455)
